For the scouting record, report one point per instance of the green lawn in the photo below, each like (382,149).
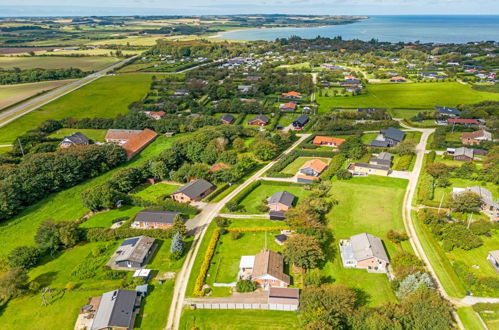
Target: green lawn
(85,63)
(105,219)
(295,166)
(225,263)
(97,135)
(265,190)
(489,314)
(286,119)
(28,313)
(64,205)
(366,138)
(366,204)
(206,319)
(469,318)
(105,97)
(417,95)
(152,192)
(406,113)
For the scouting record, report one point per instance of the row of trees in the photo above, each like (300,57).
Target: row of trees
(18,76)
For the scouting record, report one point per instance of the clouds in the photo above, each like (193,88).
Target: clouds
(191,7)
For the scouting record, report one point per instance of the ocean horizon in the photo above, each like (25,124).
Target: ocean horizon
(390,28)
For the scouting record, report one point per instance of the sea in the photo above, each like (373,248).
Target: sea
(458,29)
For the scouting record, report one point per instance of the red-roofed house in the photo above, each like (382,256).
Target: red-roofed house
(290,106)
(328,141)
(313,167)
(292,95)
(138,142)
(156,115)
(459,121)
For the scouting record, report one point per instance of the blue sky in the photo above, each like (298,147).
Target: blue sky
(198,7)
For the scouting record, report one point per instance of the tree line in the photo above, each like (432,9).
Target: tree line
(18,76)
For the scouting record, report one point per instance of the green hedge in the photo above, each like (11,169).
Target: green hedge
(403,163)
(245,192)
(426,188)
(281,164)
(217,192)
(108,234)
(335,165)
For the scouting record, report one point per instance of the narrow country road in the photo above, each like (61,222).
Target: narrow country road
(37,102)
(199,224)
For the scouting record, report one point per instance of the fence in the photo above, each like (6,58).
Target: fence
(274,307)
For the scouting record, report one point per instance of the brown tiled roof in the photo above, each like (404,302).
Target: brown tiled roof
(139,141)
(472,135)
(218,167)
(315,164)
(285,296)
(271,263)
(327,139)
(121,134)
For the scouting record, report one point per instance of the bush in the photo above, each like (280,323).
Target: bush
(403,163)
(397,237)
(245,286)
(235,235)
(24,257)
(313,277)
(343,174)
(334,166)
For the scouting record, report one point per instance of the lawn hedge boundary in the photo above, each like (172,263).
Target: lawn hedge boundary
(217,192)
(210,251)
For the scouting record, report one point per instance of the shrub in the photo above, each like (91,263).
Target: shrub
(403,163)
(397,237)
(313,277)
(343,174)
(70,286)
(24,257)
(245,286)
(235,235)
(210,251)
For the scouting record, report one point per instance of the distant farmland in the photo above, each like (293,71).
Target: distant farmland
(105,97)
(87,63)
(11,94)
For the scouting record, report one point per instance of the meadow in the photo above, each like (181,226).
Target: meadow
(153,192)
(85,63)
(12,94)
(105,97)
(66,205)
(97,135)
(403,96)
(360,209)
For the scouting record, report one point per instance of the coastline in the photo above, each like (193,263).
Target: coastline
(220,35)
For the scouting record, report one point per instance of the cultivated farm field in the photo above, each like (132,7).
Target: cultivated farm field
(417,95)
(12,94)
(85,63)
(105,97)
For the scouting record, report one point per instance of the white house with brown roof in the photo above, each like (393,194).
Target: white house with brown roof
(364,251)
(266,269)
(476,137)
(313,167)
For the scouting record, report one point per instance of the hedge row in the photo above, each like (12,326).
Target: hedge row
(403,163)
(315,153)
(256,229)
(426,188)
(245,192)
(281,164)
(335,165)
(210,251)
(167,204)
(217,192)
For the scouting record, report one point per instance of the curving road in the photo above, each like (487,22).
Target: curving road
(200,224)
(37,102)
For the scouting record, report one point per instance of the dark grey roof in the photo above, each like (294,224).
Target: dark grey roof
(366,246)
(373,166)
(448,111)
(76,138)
(393,133)
(228,118)
(156,216)
(194,189)
(282,197)
(261,118)
(385,155)
(281,237)
(134,249)
(379,143)
(378,161)
(277,215)
(115,310)
(302,120)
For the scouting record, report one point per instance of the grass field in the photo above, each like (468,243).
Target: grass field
(12,94)
(470,319)
(238,319)
(105,219)
(91,52)
(406,113)
(366,204)
(152,192)
(85,63)
(105,97)
(298,163)
(27,312)
(97,135)
(489,314)
(420,95)
(265,190)
(131,40)
(225,263)
(64,205)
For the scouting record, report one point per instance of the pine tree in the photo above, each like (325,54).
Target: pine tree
(177,247)
(179,226)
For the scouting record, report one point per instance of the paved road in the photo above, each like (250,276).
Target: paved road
(35,103)
(199,224)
